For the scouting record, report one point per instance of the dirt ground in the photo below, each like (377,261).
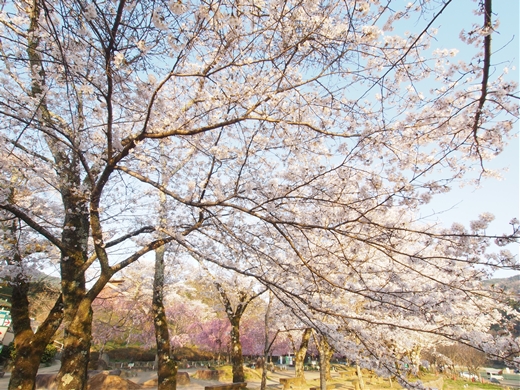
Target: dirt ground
(103,381)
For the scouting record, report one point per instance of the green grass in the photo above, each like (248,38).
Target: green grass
(460,384)
(375,383)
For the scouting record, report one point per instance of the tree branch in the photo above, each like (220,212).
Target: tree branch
(34,225)
(488,27)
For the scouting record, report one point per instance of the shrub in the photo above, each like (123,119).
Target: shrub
(191,354)
(5,356)
(131,354)
(48,355)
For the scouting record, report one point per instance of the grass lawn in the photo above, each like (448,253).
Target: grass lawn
(373,382)
(461,384)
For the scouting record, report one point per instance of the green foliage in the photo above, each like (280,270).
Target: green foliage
(48,355)
(459,384)
(5,355)
(136,354)
(131,354)
(191,354)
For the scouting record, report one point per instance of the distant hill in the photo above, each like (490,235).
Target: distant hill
(508,284)
(41,282)
(52,282)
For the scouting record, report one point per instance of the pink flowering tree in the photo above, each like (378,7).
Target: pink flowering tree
(185,320)
(214,336)
(252,336)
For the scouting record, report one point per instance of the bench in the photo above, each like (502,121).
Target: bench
(343,374)
(227,386)
(287,382)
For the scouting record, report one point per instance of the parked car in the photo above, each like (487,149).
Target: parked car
(467,375)
(494,380)
(492,375)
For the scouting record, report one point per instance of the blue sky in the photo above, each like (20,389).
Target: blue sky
(499,197)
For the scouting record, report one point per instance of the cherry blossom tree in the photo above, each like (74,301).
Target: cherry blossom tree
(121,314)
(236,297)
(214,336)
(187,316)
(253,328)
(253,337)
(16,261)
(302,139)
(462,355)
(166,365)
(301,352)
(325,354)
(110,320)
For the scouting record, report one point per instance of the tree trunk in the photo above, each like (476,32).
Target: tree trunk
(323,373)
(263,382)
(78,326)
(76,349)
(415,361)
(327,352)
(299,356)
(237,360)
(27,361)
(29,346)
(77,311)
(167,367)
(360,377)
(234,316)
(267,344)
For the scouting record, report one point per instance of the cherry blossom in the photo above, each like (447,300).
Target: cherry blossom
(302,138)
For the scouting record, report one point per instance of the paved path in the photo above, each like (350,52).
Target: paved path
(4,382)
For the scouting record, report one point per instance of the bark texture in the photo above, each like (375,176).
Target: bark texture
(326,353)
(29,346)
(299,356)
(267,344)
(234,315)
(360,377)
(77,303)
(76,351)
(167,367)
(237,360)
(77,312)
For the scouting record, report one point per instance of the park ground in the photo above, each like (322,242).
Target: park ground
(127,382)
